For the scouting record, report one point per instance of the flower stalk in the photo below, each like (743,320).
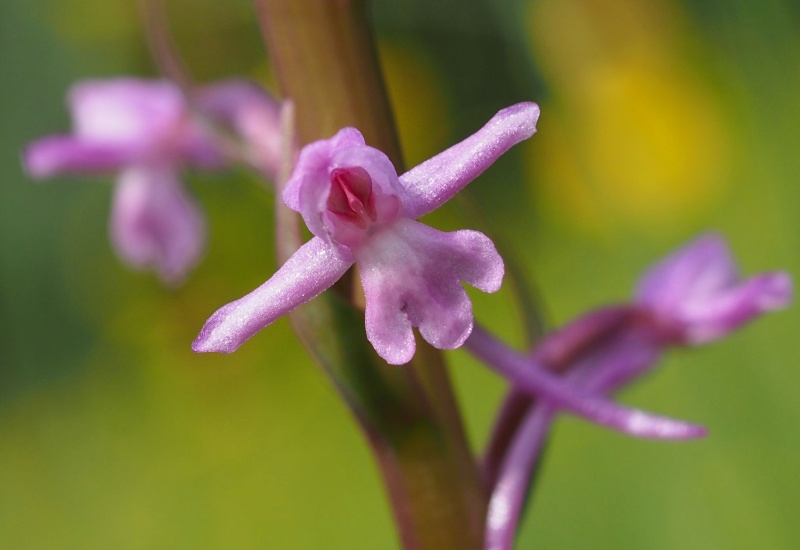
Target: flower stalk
(325,60)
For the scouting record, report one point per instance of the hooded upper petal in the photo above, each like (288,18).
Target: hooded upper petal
(309,189)
(155,224)
(438,179)
(314,165)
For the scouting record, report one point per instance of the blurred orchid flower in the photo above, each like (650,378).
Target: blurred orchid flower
(360,211)
(253,116)
(694,295)
(145,133)
(691,297)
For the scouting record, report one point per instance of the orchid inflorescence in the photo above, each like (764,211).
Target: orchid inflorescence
(360,212)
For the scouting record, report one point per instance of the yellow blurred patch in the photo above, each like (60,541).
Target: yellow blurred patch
(86,22)
(638,137)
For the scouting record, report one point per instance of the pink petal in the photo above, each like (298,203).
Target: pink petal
(412,276)
(692,274)
(737,306)
(308,189)
(54,155)
(155,224)
(150,118)
(252,113)
(310,271)
(695,296)
(314,162)
(125,110)
(438,179)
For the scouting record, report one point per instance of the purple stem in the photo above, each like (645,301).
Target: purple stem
(558,351)
(513,411)
(508,496)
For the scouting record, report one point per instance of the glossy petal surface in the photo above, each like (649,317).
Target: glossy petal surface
(412,276)
(311,270)
(351,199)
(437,180)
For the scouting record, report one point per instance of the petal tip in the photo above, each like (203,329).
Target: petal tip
(396,355)
(525,114)
(493,280)
(779,291)
(213,338)
(207,343)
(36,160)
(645,425)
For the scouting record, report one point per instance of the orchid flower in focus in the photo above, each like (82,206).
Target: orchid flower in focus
(361,212)
(144,132)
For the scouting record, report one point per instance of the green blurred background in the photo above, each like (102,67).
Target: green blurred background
(661,119)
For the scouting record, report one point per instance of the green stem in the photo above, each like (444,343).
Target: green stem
(325,60)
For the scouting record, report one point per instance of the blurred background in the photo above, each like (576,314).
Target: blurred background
(660,119)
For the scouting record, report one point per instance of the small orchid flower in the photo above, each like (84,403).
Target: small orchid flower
(361,212)
(690,297)
(694,296)
(123,122)
(144,132)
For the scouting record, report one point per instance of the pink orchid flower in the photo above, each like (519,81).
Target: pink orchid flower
(144,132)
(361,212)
